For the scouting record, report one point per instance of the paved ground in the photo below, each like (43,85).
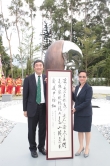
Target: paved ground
(14,149)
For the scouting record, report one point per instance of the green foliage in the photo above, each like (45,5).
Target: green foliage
(31,4)
(46,36)
(97,81)
(16,72)
(29,67)
(5,59)
(2,49)
(56,13)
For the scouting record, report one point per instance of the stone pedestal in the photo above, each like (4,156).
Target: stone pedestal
(6,97)
(108,97)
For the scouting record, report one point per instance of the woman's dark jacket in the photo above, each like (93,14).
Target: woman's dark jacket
(83,104)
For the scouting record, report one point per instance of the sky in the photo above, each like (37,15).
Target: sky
(37,23)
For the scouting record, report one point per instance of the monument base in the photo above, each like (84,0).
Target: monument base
(107,97)
(6,97)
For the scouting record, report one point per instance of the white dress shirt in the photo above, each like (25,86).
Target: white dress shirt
(79,91)
(42,87)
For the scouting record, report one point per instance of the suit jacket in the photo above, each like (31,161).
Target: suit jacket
(83,100)
(29,94)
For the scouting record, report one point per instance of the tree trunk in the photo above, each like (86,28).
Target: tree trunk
(71,25)
(10,55)
(31,43)
(19,43)
(42,39)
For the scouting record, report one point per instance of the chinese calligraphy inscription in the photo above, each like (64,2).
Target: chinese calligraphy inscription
(59,114)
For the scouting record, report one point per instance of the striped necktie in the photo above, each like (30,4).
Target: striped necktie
(38,97)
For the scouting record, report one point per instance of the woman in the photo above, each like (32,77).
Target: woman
(83,113)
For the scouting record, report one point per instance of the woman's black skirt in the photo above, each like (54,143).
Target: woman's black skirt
(82,123)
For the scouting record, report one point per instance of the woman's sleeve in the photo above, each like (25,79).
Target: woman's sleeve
(87,101)
(73,96)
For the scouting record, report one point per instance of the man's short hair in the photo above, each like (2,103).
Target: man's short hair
(38,60)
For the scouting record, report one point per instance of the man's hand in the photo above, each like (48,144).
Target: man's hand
(25,113)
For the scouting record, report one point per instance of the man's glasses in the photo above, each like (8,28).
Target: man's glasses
(82,76)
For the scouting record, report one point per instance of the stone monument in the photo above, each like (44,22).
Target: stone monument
(62,54)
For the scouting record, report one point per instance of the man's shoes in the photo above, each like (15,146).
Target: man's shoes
(43,151)
(34,154)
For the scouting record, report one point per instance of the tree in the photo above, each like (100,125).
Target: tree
(105,68)
(25,48)
(46,36)
(5,59)
(17,11)
(32,15)
(16,72)
(47,9)
(90,49)
(6,25)
(56,14)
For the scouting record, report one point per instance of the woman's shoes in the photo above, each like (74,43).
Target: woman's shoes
(78,153)
(86,155)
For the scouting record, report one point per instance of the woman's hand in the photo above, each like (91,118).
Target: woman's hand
(45,80)
(73,110)
(73,89)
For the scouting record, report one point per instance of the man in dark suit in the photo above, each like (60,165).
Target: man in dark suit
(34,107)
